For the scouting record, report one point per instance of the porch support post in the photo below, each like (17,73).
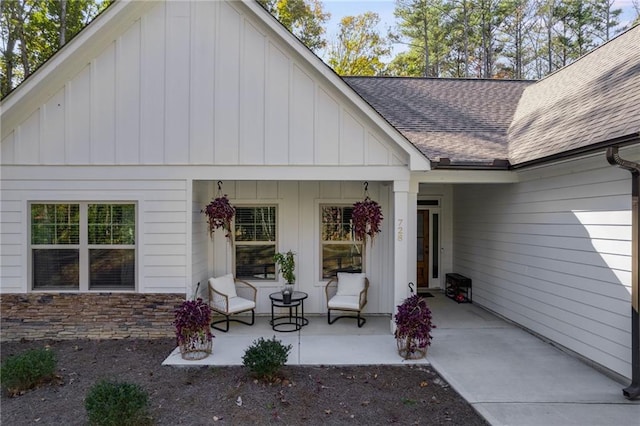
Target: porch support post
(405,196)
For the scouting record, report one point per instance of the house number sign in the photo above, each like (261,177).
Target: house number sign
(400,230)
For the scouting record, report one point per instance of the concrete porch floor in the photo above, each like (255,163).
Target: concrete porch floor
(508,375)
(318,343)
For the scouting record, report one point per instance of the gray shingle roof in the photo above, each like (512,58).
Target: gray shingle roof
(464,120)
(594,100)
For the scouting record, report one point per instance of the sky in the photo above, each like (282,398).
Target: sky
(385,8)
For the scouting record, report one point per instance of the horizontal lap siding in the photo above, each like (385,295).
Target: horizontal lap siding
(162,226)
(11,253)
(553,254)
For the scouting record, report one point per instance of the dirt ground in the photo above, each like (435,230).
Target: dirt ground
(318,395)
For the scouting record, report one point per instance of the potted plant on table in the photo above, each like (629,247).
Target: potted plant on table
(193,329)
(413,327)
(287,265)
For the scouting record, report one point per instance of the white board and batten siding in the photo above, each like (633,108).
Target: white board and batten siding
(553,253)
(198,83)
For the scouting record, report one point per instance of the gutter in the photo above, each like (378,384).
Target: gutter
(446,164)
(625,140)
(633,390)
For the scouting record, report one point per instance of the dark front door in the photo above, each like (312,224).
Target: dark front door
(423,249)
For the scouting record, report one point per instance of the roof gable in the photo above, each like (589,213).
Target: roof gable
(194,83)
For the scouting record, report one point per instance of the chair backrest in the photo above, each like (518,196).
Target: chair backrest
(224,284)
(351,284)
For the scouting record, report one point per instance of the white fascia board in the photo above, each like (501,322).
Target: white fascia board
(417,162)
(69,60)
(207,173)
(466,176)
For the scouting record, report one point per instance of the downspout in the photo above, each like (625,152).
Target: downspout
(633,390)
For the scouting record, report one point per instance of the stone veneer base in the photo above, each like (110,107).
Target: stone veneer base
(64,316)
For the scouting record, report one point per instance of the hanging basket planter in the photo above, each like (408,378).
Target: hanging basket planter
(367,218)
(220,214)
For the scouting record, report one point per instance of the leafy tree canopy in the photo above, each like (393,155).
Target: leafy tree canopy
(31,31)
(359,48)
(304,18)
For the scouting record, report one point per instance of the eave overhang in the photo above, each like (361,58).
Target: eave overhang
(630,139)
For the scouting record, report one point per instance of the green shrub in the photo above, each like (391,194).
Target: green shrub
(117,404)
(265,358)
(25,371)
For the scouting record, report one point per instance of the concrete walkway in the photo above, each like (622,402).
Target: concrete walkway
(509,376)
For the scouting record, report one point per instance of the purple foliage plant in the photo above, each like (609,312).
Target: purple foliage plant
(367,219)
(193,319)
(413,326)
(220,213)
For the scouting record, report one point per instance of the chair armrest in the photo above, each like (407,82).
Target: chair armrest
(218,301)
(330,289)
(363,293)
(244,287)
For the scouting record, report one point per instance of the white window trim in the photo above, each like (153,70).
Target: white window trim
(339,202)
(256,243)
(83,247)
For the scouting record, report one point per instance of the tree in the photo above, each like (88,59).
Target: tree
(518,50)
(462,18)
(423,27)
(406,64)
(303,18)
(546,12)
(493,16)
(608,18)
(636,7)
(33,30)
(358,47)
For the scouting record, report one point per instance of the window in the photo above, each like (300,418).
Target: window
(255,242)
(55,245)
(340,251)
(84,246)
(111,246)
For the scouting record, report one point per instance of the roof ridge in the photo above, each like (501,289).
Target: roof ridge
(406,77)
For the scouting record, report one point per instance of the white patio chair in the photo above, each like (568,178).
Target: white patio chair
(229,296)
(348,293)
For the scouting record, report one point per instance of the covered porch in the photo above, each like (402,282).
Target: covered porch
(343,343)
(292,216)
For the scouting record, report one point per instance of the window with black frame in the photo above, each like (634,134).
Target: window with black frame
(255,242)
(340,251)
